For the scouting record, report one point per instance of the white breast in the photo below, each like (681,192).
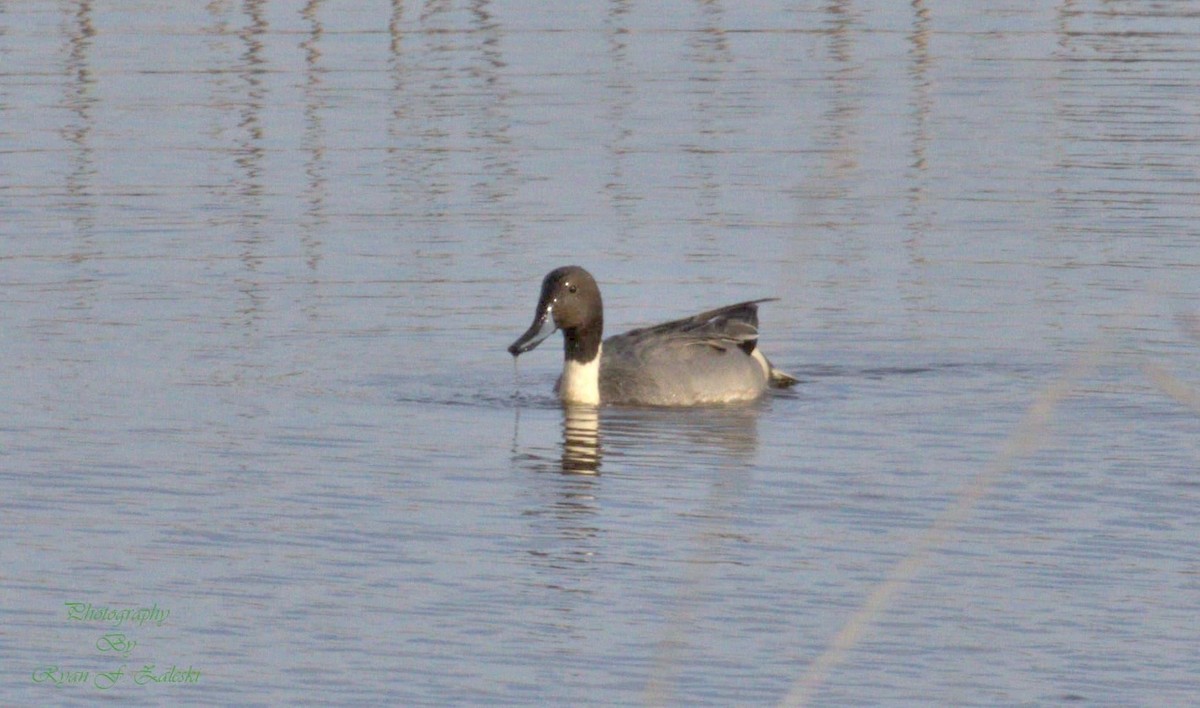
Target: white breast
(580,383)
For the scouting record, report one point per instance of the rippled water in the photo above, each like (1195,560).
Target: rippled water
(260,262)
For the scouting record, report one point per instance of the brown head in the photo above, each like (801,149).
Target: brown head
(570,301)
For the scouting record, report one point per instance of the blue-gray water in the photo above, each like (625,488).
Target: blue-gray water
(259,262)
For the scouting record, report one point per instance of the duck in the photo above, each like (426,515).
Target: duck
(708,358)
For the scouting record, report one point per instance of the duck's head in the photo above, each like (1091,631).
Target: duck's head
(570,301)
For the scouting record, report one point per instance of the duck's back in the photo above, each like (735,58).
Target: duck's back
(707,358)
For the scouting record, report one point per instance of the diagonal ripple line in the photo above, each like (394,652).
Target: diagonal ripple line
(1026,438)
(1172,386)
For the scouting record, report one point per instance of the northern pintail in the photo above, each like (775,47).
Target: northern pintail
(711,357)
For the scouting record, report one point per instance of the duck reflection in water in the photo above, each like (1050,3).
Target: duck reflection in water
(647,437)
(581,440)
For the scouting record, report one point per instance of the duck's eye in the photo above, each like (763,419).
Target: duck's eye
(571,288)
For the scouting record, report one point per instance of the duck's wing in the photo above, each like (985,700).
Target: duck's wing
(709,357)
(730,326)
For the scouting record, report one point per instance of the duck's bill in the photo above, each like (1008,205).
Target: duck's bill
(542,327)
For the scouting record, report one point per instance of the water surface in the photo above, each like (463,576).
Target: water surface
(259,263)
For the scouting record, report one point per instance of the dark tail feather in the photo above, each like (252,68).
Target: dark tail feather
(779,379)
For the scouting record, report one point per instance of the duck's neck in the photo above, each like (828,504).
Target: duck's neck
(580,381)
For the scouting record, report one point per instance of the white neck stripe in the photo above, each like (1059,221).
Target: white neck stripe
(581,382)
